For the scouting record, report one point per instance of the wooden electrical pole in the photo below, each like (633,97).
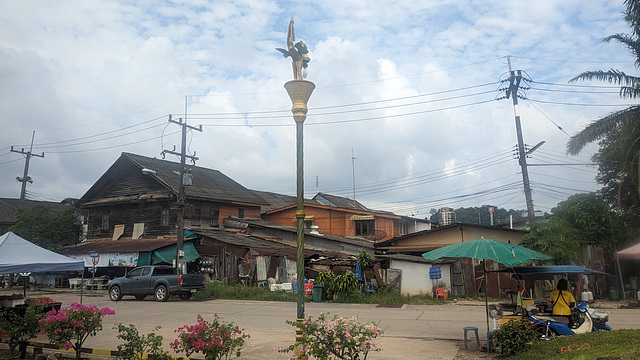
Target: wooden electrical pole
(25,176)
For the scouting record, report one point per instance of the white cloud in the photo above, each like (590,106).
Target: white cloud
(74,71)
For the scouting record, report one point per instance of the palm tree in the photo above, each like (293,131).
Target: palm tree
(615,126)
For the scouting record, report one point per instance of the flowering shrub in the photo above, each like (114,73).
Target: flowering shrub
(39,301)
(70,328)
(215,340)
(338,338)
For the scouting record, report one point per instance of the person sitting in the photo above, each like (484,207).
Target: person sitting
(562,301)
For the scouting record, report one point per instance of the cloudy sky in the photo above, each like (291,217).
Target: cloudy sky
(406,100)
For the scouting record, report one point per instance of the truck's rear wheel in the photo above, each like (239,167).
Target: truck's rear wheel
(161,293)
(184,296)
(115,294)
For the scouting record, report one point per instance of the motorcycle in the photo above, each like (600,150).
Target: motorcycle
(584,320)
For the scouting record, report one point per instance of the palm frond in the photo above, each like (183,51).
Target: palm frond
(630,42)
(599,128)
(611,76)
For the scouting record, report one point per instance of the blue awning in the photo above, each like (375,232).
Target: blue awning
(552,269)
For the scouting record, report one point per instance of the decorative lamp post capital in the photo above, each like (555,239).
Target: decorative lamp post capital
(299,92)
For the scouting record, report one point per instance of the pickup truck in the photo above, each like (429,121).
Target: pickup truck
(160,281)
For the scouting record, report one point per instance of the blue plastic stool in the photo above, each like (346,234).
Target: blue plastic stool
(474,329)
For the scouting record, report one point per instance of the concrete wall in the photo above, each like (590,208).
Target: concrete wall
(415,277)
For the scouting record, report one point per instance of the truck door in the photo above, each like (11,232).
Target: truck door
(134,281)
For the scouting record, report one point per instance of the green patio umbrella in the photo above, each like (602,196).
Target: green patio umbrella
(504,253)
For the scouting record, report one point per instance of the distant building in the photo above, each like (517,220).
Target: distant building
(446,216)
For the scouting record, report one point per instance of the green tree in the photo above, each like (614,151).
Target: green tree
(618,132)
(556,238)
(47,225)
(582,218)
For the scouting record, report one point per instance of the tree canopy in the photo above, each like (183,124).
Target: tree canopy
(47,225)
(582,218)
(481,215)
(618,133)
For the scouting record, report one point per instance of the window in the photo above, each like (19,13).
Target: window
(105,222)
(403,228)
(164,217)
(135,272)
(195,218)
(215,214)
(365,227)
(241,213)
(308,224)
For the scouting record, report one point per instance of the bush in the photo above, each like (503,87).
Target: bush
(136,345)
(336,338)
(515,337)
(70,328)
(20,327)
(215,340)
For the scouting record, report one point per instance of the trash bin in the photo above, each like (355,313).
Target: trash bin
(317,293)
(613,294)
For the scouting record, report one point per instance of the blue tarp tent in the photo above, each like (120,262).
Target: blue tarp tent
(541,272)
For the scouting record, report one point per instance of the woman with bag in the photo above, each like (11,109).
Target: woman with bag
(562,301)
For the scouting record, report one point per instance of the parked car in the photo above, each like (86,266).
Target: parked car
(159,281)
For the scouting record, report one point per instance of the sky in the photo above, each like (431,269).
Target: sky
(408,114)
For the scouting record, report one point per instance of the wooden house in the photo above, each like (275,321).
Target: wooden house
(137,198)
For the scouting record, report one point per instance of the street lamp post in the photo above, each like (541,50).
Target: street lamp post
(299,91)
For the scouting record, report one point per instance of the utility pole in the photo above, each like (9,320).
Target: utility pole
(25,176)
(184,181)
(512,91)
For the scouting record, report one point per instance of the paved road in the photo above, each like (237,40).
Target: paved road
(410,332)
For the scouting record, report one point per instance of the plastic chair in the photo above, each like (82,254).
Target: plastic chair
(440,292)
(368,288)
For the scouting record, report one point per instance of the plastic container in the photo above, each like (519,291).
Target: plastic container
(584,296)
(613,294)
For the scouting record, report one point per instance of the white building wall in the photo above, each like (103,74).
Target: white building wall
(415,277)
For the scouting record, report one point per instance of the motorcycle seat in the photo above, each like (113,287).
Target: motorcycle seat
(560,319)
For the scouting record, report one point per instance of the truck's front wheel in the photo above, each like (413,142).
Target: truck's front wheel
(115,294)
(161,293)
(184,296)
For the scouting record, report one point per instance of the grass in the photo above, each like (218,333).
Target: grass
(218,290)
(601,345)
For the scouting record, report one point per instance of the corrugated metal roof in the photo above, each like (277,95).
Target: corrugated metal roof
(122,245)
(208,184)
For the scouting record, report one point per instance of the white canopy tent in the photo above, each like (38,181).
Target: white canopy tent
(18,255)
